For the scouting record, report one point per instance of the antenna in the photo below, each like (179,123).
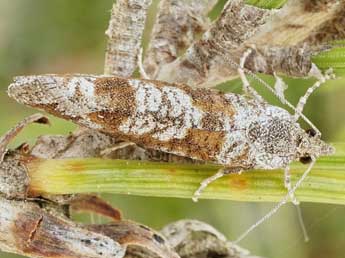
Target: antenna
(278,92)
(280,204)
(268,87)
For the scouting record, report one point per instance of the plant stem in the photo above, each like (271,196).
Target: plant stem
(325,184)
(267,4)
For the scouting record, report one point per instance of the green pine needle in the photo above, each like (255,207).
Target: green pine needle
(334,58)
(267,4)
(325,184)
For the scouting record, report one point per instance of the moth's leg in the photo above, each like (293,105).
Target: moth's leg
(206,182)
(6,139)
(116,147)
(279,87)
(220,173)
(142,71)
(249,90)
(322,78)
(279,205)
(245,82)
(287,183)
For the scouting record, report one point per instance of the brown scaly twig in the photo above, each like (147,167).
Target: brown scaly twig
(124,34)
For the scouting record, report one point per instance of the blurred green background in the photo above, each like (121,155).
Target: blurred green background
(63,36)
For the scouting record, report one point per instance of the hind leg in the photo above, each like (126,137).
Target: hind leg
(247,88)
(142,71)
(287,183)
(220,173)
(321,79)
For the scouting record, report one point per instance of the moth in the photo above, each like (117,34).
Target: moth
(236,131)
(228,129)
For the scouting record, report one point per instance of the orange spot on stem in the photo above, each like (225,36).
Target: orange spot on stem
(238,182)
(76,167)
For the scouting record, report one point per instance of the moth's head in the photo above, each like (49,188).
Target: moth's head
(68,95)
(40,90)
(309,145)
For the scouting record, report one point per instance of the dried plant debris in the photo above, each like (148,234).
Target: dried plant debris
(29,230)
(196,239)
(295,22)
(82,143)
(92,203)
(14,180)
(143,241)
(86,143)
(178,25)
(6,139)
(203,59)
(38,228)
(333,29)
(212,59)
(292,61)
(124,34)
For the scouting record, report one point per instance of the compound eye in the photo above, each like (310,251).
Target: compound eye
(311,132)
(305,160)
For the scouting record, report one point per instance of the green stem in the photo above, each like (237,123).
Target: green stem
(267,4)
(325,184)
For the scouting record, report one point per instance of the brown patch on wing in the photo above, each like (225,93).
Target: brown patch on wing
(197,144)
(109,84)
(122,98)
(211,101)
(120,93)
(212,122)
(207,100)
(110,120)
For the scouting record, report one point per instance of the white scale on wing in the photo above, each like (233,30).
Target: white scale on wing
(168,111)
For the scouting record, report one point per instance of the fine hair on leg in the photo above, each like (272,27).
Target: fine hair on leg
(279,205)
